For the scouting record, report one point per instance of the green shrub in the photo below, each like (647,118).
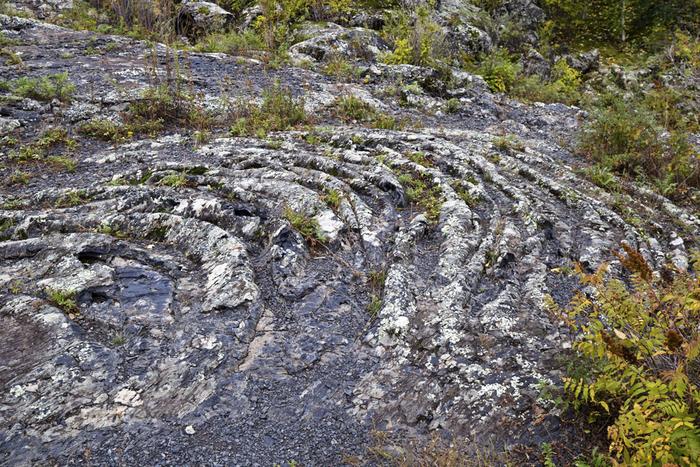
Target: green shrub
(602,176)
(72,198)
(499,70)
(43,150)
(417,39)
(597,22)
(341,69)
(626,138)
(44,88)
(175,180)
(332,198)
(63,299)
(279,111)
(308,227)
(351,108)
(108,130)
(637,361)
(564,86)
(232,43)
(422,192)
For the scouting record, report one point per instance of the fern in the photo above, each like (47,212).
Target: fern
(638,361)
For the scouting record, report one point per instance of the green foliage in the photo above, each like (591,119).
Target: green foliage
(72,198)
(548,455)
(341,69)
(19,178)
(499,70)
(602,176)
(43,150)
(452,105)
(417,39)
(638,361)
(140,19)
(598,22)
(279,111)
(166,101)
(232,43)
(564,86)
(308,227)
(627,137)
(175,180)
(44,88)
(351,108)
(374,306)
(509,144)
(63,299)
(13,58)
(332,198)
(422,192)
(465,194)
(108,130)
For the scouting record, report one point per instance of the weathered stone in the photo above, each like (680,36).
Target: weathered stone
(193,324)
(198,18)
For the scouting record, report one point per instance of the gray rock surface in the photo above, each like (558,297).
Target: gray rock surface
(208,331)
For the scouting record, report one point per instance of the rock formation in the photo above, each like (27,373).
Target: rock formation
(201,327)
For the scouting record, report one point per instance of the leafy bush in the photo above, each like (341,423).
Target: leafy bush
(109,130)
(563,86)
(43,150)
(44,88)
(351,108)
(167,100)
(627,138)
(638,361)
(278,111)
(423,193)
(418,40)
(499,70)
(612,21)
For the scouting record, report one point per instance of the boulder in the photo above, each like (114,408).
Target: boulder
(585,62)
(197,19)
(336,41)
(534,63)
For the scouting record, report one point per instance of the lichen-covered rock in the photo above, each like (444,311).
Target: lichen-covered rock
(334,41)
(197,322)
(197,18)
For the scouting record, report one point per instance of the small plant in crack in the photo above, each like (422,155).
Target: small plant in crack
(374,306)
(63,299)
(107,229)
(490,258)
(377,278)
(118,340)
(465,195)
(15,287)
(158,234)
(421,191)
(421,159)
(19,177)
(6,224)
(307,226)
(44,88)
(351,108)
(332,198)
(72,198)
(508,144)
(279,111)
(176,180)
